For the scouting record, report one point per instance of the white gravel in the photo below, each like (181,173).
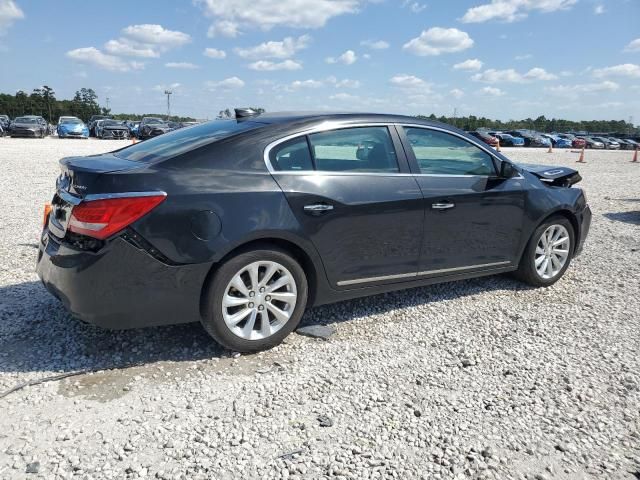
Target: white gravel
(482,378)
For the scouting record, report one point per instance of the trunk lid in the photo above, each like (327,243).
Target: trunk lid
(77,178)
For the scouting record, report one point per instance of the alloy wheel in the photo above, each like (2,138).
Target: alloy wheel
(552,251)
(259,300)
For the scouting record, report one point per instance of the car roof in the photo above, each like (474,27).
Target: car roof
(312,117)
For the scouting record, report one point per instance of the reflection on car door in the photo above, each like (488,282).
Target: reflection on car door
(473,221)
(355,199)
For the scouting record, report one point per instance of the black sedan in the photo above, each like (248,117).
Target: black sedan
(29,126)
(152,127)
(111,130)
(243,224)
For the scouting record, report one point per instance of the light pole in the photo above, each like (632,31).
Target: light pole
(168,94)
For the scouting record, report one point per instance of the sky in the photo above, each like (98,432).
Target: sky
(505,59)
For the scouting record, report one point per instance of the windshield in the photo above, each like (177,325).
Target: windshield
(183,140)
(110,122)
(153,120)
(25,120)
(73,121)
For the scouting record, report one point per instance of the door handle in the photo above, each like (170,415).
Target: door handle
(442,206)
(318,208)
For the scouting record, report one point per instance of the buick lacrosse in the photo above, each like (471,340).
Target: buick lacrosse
(243,224)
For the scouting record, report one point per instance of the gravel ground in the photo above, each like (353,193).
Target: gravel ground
(476,379)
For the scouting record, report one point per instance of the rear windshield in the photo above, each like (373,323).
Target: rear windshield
(183,140)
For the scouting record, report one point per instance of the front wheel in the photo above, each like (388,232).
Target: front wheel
(255,300)
(548,253)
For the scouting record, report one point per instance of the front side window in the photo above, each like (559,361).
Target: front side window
(360,149)
(440,153)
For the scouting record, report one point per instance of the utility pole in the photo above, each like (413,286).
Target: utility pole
(107,103)
(168,94)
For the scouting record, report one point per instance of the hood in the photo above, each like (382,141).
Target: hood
(553,176)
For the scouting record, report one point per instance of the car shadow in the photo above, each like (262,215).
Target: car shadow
(39,335)
(626,217)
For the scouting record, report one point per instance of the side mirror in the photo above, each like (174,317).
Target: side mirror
(507,170)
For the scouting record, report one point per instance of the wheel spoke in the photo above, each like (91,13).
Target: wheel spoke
(253,274)
(271,270)
(247,330)
(236,318)
(539,250)
(557,263)
(560,252)
(265,325)
(281,282)
(280,315)
(560,241)
(539,260)
(239,285)
(230,301)
(549,270)
(286,297)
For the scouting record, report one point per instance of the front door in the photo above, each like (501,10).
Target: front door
(473,221)
(354,198)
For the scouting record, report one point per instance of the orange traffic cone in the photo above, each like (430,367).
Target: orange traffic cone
(133,139)
(498,146)
(581,159)
(635,157)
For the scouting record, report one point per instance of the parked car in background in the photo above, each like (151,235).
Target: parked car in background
(133,127)
(152,127)
(608,143)
(507,140)
(5,121)
(632,144)
(92,123)
(112,129)
(576,142)
(28,126)
(72,127)
(158,233)
(593,143)
(624,144)
(175,125)
(557,141)
(531,139)
(485,137)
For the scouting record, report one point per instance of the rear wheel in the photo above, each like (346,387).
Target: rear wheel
(548,253)
(255,300)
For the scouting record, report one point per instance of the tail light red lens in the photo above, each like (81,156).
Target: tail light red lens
(102,218)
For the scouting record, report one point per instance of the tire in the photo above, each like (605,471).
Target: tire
(528,271)
(246,336)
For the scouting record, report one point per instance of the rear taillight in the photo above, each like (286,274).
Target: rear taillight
(102,218)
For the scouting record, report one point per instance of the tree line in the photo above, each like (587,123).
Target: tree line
(540,124)
(42,101)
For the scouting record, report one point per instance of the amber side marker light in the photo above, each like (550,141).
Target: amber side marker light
(47,212)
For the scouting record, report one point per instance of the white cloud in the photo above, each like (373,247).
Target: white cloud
(347,58)
(146,41)
(625,70)
(492,91)
(578,89)
(93,56)
(344,97)
(9,13)
(513,10)
(128,49)
(223,28)
(284,49)
(436,41)
(298,84)
(511,76)
(267,66)
(410,82)
(226,84)
(162,88)
(327,82)
(266,14)
(347,83)
(634,46)
(182,65)
(415,7)
(469,65)
(456,93)
(599,10)
(214,53)
(375,44)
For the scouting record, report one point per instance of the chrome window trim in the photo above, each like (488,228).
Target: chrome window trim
(358,281)
(337,125)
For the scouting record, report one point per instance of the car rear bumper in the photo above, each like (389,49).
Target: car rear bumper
(584,221)
(120,286)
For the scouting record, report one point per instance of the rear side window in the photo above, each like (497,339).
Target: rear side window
(184,140)
(440,153)
(293,155)
(362,149)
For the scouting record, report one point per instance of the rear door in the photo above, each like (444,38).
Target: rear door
(355,199)
(473,221)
